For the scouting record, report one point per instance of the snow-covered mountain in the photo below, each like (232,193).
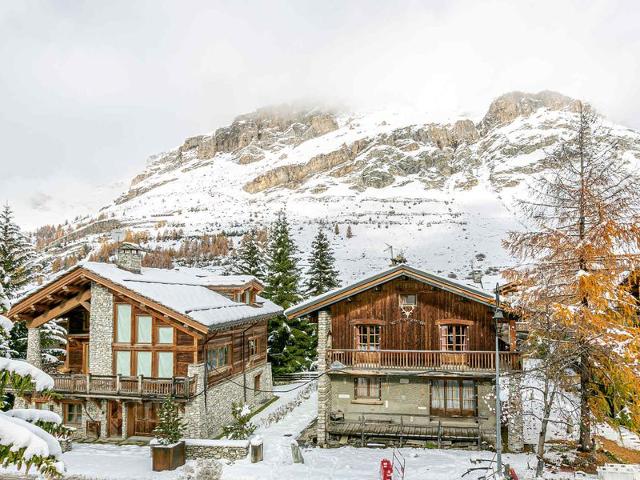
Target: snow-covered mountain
(442,193)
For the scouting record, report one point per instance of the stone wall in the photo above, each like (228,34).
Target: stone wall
(324,382)
(93,410)
(100,331)
(217,449)
(205,417)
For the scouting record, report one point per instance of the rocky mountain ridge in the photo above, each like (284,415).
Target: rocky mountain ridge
(441,192)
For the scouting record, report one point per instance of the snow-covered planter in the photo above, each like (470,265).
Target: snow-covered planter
(168,457)
(216,449)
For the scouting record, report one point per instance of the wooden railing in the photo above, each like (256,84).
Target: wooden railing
(114,385)
(425,360)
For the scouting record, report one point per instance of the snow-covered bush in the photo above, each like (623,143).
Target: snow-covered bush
(241,428)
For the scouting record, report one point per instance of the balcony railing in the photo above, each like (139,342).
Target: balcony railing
(425,360)
(117,385)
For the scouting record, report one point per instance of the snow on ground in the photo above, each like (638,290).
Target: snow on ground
(111,462)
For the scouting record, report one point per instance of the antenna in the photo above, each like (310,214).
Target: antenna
(390,250)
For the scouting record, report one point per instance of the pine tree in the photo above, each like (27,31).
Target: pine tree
(282,269)
(584,237)
(241,428)
(17,271)
(170,424)
(349,232)
(322,275)
(249,258)
(336,229)
(291,342)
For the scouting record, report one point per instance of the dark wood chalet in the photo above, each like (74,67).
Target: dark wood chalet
(136,336)
(407,354)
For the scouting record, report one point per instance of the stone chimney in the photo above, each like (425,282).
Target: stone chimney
(129,257)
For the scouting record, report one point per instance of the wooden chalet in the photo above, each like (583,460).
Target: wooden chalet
(139,335)
(406,354)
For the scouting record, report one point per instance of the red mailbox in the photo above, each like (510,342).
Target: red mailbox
(386,470)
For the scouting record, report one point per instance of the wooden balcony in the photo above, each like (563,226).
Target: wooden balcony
(119,386)
(438,360)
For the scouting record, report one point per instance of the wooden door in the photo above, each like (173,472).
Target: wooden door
(145,418)
(114,419)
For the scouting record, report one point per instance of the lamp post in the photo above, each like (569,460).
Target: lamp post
(498,317)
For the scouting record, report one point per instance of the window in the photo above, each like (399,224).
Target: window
(368,338)
(409,300)
(73,413)
(143,332)
(247,297)
(43,406)
(367,388)
(143,363)
(256,384)
(454,338)
(453,397)
(165,364)
(165,334)
(253,347)
(217,357)
(123,324)
(123,363)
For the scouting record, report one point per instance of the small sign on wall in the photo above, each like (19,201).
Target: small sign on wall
(344,395)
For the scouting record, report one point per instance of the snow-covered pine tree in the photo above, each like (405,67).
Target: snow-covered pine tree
(28,436)
(17,270)
(583,239)
(170,424)
(322,274)
(291,342)
(249,258)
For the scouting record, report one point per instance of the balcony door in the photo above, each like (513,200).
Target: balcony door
(454,341)
(367,340)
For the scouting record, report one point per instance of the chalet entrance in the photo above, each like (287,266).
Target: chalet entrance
(143,418)
(114,418)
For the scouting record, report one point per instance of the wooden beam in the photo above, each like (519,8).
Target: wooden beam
(86,305)
(60,309)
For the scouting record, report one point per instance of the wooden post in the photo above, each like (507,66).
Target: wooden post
(256,449)
(88,383)
(439,433)
(118,383)
(140,377)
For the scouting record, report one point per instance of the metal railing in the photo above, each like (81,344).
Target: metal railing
(425,359)
(113,385)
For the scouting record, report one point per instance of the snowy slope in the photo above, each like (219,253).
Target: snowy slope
(442,193)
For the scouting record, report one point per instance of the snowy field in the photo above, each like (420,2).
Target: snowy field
(110,462)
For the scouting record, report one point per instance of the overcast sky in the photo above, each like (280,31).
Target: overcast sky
(90,89)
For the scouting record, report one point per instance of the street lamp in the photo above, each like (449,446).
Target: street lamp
(498,317)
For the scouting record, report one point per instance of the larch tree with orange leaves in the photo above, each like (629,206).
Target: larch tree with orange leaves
(576,260)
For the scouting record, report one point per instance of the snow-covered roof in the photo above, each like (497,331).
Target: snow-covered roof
(332,296)
(185,291)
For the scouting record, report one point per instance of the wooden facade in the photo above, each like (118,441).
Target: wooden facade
(417,328)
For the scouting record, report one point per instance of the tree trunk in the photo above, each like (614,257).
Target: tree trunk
(548,398)
(585,417)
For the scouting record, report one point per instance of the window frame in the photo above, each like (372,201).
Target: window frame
(449,411)
(255,340)
(116,332)
(373,387)
(402,296)
(77,416)
(368,332)
(458,333)
(157,355)
(137,323)
(217,349)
